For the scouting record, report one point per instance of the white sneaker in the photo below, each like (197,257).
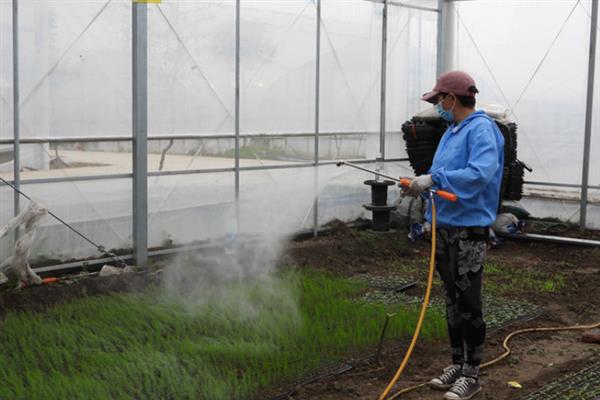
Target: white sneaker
(463,389)
(447,379)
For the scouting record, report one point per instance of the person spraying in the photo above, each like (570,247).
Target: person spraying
(468,162)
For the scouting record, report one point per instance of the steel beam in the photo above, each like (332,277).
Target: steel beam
(237,114)
(16,112)
(556,184)
(446,24)
(185,136)
(384,25)
(85,178)
(82,178)
(405,5)
(317,120)
(140,132)
(412,6)
(174,250)
(588,117)
(553,239)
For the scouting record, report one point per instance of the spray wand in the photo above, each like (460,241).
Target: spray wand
(404,182)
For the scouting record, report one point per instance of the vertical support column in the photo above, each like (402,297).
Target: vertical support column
(317,116)
(16,111)
(140,132)
(237,115)
(588,117)
(446,25)
(383,80)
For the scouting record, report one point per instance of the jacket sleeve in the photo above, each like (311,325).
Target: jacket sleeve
(481,166)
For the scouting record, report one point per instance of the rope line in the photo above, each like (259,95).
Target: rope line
(100,248)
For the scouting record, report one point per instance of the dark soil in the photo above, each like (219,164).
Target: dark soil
(564,280)
(38,298)
(537,359)
(558,228)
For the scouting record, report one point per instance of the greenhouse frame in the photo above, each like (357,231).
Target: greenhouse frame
(255,95)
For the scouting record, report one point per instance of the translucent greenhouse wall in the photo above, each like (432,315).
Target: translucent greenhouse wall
(76,92)
(541,76)
(75,80)
(594,208)
(6,128)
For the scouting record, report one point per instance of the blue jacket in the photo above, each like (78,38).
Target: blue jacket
(469,162)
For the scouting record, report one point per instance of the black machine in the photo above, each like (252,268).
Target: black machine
(422,136)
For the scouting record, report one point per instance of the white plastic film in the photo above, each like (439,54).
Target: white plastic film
(198,207)
(191,50)
(412,44)
(99,209)
(350,70)
(6,213)
(277,59)
(6,75)
(75,75)
(540,74)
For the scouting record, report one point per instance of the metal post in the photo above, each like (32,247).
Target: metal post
(445,36)
(317,127)
(439,41)
(16,112)
(237,115)
(140,132)
(383,80)
(588,117)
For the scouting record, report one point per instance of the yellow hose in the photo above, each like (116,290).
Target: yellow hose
(507,349)
(413,342)
(423,307)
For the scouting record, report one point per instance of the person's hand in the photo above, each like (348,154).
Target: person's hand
(418,185)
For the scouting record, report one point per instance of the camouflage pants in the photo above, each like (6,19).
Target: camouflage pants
(459,256)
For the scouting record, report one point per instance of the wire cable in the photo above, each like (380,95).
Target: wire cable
(537,69)
(338,61)
(378,77)
(100,248)
(89,202)
(508,104)
(194,62)
(53,68)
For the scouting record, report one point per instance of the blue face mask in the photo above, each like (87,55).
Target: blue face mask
(447,115)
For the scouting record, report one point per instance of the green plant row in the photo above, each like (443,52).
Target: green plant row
(228,342)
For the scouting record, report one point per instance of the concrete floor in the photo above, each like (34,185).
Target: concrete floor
(120,163)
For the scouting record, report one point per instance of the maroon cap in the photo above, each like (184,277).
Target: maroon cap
(457,82)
